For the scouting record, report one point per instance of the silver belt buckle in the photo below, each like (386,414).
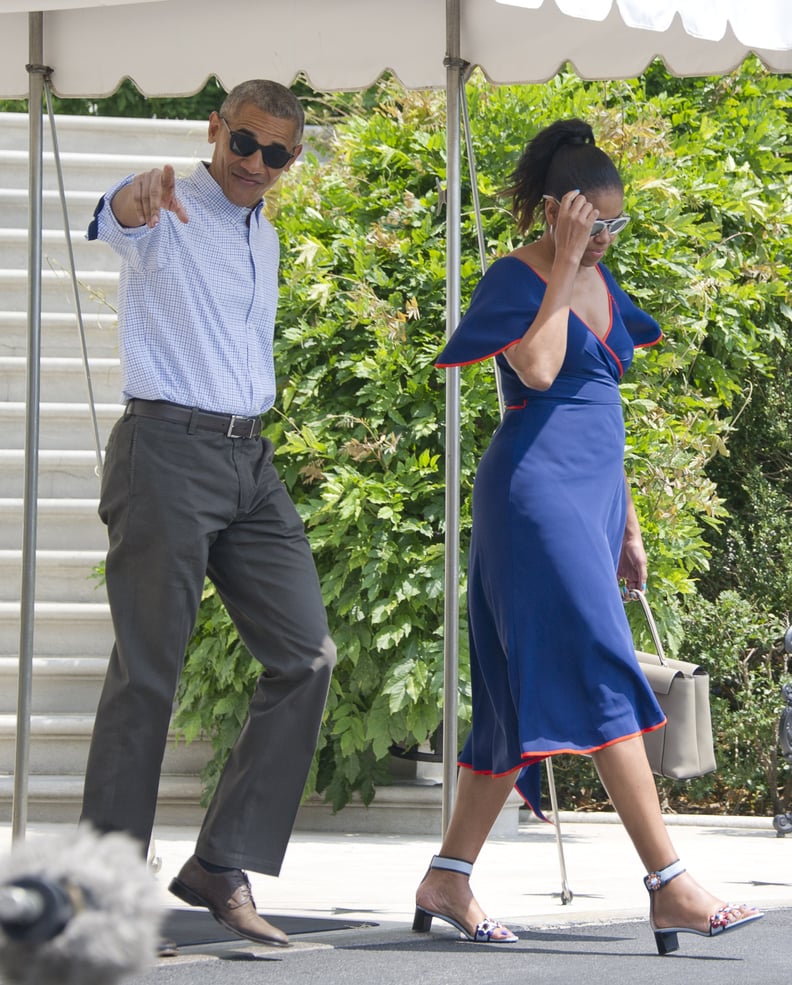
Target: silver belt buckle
(232,425)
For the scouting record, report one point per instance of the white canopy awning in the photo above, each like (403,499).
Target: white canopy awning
(171,47)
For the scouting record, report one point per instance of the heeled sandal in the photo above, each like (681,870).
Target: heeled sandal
(422,922)
(666,937)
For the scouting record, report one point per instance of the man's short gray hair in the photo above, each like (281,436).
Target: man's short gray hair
(269,97)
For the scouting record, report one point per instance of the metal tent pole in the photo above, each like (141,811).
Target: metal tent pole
(73,272)
(453,65)
(36,72)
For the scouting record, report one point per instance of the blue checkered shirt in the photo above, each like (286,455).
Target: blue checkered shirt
(196,301)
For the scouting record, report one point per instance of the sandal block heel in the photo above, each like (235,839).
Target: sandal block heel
(666,942)
(422,921)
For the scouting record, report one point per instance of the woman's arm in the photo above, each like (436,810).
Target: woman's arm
(632,568)
(539,355)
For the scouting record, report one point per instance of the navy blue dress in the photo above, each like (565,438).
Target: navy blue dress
(553,664)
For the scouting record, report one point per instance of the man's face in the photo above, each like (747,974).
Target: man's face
(244,180)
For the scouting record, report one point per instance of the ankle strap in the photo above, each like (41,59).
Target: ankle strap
(452,864)
(656,880)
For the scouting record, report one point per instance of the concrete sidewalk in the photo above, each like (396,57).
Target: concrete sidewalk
(518,880)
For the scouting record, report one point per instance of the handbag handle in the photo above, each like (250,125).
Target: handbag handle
(634,594)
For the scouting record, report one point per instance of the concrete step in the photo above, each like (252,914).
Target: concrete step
(58,798)
(60,473)
(14,247)
(163,140)
(98,289)
(113,134)
(63,524)
(61,576)
(59,744)
(60,334)
(61,629)
(61,425)
(80,205)
(62,379)
(407,809)
(86,171)
(69,684)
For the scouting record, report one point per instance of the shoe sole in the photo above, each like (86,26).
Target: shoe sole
(422,924)
(667,941)
(189,896)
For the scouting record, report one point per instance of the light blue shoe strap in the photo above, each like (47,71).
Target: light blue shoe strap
(451,864)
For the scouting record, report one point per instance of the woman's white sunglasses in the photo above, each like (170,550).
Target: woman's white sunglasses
(614,226)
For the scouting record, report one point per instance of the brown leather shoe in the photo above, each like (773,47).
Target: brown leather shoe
(228,898)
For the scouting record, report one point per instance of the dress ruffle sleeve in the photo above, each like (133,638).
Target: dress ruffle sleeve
(643,329)
(505,303)
(501,310)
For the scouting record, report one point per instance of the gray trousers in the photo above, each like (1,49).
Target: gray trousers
(181,504)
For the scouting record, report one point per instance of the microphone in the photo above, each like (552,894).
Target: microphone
(78,910)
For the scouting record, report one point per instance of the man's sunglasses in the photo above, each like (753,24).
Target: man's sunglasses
(243,145)
(613,226)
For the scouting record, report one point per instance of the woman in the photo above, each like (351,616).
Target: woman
(553,665)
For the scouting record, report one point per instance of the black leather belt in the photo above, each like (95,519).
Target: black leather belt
(231,425)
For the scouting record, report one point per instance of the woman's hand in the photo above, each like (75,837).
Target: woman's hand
(572,228)
(633,568)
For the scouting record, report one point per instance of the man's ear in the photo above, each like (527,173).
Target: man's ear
(214,125)
(297,152)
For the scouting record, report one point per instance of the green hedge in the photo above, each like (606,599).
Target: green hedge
(359,423)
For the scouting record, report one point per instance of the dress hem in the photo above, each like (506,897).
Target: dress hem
(534,758)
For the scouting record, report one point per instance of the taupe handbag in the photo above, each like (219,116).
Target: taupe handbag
(683,748)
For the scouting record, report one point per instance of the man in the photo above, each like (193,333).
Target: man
(189,490)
